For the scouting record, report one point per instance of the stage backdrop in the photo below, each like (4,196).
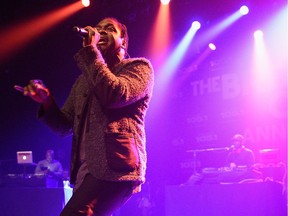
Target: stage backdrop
(207,103)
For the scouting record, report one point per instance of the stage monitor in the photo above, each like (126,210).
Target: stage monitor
(269,156)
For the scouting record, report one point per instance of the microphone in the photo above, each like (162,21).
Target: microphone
(80,31)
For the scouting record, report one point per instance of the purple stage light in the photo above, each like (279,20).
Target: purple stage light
(212,46)
(244,10)
(196,25)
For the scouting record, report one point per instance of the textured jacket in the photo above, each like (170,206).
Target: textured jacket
(113,106)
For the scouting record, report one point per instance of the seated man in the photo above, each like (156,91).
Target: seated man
(51,169)
(240,162)
(240,156)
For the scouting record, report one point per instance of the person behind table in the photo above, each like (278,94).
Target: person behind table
(51,168)
(242,161)
(239,154)
(105,112)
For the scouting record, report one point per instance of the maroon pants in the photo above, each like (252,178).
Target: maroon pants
(98,198)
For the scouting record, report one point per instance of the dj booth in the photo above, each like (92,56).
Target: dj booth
(31,201)
(248,199)
(28,195)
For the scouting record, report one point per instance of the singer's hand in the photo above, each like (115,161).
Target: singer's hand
(93,37)
(36,90)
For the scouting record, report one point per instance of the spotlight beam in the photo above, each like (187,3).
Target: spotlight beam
(17,37)
(177,55)
(159,39)
(220,27)
(168,70)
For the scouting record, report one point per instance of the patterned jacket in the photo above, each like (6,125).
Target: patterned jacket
(112,105)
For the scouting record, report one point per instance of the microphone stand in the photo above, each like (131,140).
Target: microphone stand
(194,152)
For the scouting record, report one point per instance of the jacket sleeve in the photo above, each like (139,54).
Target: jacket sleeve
(133,82)
(59,120)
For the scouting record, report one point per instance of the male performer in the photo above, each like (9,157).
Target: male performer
(105,111)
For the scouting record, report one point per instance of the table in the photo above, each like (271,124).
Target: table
(29,201)
(249,199)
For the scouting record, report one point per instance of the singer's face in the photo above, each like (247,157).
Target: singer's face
(110,36)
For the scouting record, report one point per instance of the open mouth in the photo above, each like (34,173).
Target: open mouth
(103,41)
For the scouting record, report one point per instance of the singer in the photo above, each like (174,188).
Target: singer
(105,112)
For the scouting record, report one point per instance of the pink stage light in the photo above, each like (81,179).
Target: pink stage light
(85,3)
(165,2)
(159,38)
(33,28)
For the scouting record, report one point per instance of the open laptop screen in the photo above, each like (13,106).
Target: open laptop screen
(24,157)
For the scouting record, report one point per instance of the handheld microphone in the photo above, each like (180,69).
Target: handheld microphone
(80,31)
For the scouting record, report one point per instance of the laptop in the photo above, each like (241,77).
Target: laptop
(24,157)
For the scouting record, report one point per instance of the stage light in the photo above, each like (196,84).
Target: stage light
(85,3)
(244,10)
(258,34)
(30,29)
(159,37)
(165,2)
(168,70)
(196,25)
(212,46)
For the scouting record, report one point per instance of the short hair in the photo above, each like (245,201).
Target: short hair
(238,137)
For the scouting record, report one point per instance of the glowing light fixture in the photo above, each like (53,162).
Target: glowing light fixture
(85,3)
(159,39)
(258,34)
(212,46)
(165,2)
(196,25)
(244,10)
